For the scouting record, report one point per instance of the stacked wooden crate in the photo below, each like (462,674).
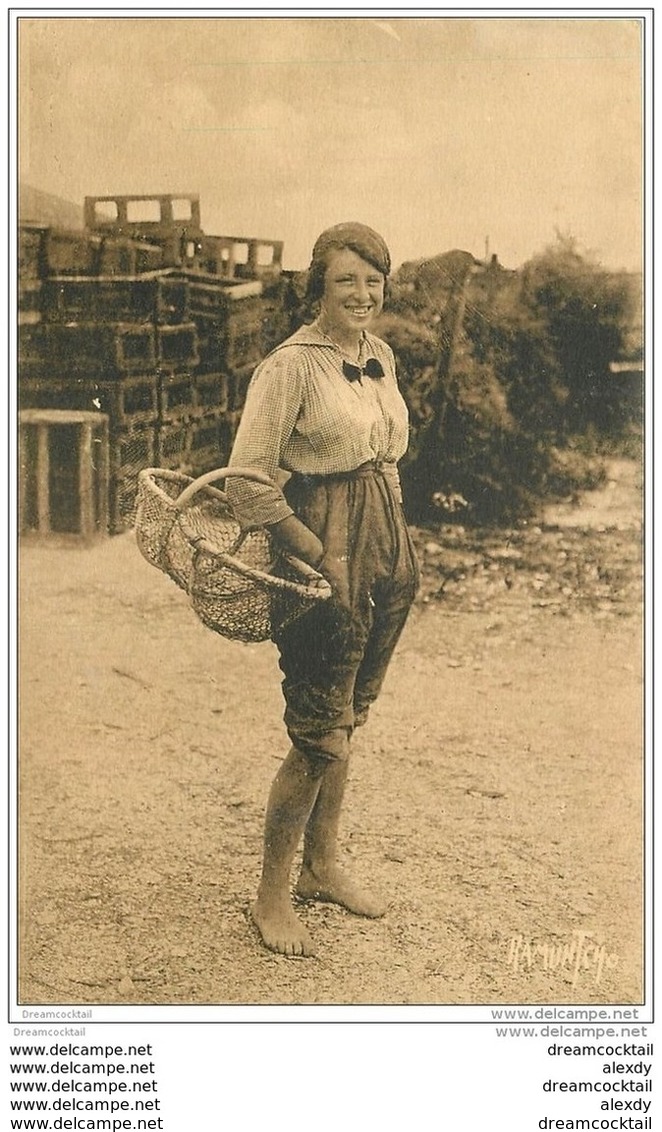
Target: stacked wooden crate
(166,353)
(228,317)
(91,343)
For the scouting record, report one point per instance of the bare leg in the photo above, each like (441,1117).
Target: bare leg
(321,878)
(291,800)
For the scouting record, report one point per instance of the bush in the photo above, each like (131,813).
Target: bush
(587,314)
(500,369)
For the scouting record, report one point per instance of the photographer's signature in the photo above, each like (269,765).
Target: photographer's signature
(580,954)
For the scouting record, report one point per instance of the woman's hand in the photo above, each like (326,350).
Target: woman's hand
(335,571)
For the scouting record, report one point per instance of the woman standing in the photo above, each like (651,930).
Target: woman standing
(325,407)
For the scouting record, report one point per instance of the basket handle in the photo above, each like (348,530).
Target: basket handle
(218,474)
(308,573)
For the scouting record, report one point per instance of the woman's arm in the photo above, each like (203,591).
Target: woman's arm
(296,538)
(269,416)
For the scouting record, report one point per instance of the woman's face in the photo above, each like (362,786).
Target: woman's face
(353,294)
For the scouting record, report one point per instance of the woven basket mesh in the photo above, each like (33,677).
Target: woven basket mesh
(238,584)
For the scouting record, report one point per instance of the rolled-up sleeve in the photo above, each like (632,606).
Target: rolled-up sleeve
(272,406)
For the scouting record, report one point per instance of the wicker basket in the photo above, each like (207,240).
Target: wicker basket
(239,584)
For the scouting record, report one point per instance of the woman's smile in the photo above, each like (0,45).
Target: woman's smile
(353,297)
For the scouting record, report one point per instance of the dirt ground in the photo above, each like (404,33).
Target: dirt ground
(495,794)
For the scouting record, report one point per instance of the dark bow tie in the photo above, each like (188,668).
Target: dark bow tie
(372,368)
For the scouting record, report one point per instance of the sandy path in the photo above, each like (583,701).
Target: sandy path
(496,793)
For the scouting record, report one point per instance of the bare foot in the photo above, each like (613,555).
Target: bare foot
(335,888)
(281,930)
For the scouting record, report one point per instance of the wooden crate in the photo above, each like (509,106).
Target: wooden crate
(131,401)
(172,445)
(177,346)
(233,349)
(63,473)
(150,298)
(127,402)
(188,445)
(215,299)
(70,252)
(133,448)
(210,393)
(123,256)
(176,397)
(97,349)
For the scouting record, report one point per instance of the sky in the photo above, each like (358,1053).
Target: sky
(486,134)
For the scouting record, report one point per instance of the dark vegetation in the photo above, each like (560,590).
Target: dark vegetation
(519,384)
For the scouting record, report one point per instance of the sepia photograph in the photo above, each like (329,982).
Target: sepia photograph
(330,412)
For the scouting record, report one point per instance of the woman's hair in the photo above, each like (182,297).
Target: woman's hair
(358,238)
